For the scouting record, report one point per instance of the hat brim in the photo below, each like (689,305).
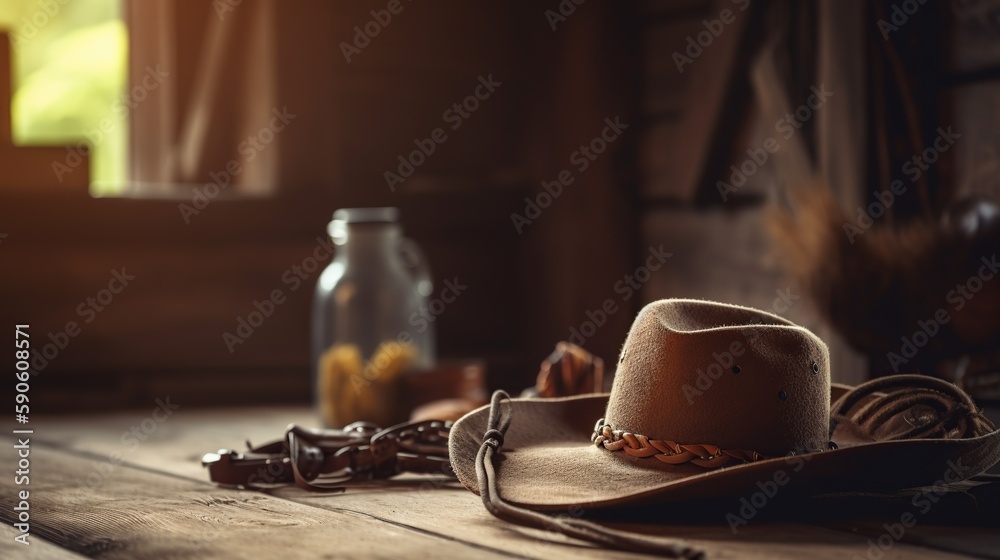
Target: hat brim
(547,462)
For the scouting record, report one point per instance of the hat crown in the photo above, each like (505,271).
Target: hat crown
(700,372)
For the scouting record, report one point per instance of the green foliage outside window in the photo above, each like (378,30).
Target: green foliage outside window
(70,68)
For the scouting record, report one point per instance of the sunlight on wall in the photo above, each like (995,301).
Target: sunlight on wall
(70,60)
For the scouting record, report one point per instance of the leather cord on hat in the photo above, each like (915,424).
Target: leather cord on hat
(956,414)
(576,528)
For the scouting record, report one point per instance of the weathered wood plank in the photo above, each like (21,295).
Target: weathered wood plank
(712,74)
(37,550)
(185,278)
(975,35)
(665,84)
(671,8)
(431,505)
(425,504)
(976,110)
(141,514)
(980,542)
(176,445)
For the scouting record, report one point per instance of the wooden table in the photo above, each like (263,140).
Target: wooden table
(98,491)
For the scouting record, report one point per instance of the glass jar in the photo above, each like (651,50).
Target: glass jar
(365,327)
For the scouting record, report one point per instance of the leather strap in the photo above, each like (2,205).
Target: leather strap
(576,528)
(327,460)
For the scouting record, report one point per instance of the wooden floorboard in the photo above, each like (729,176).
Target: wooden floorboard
(977,542)
(135,513)
(38,549)
(423,508)
(456,511)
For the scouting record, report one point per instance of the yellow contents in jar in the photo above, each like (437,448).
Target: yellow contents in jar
(352,391)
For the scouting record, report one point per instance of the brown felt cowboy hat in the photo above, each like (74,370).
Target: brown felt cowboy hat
(714,400)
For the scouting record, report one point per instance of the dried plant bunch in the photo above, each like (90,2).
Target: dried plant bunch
(888,280)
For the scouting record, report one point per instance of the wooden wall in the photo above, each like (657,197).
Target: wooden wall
(972,95)
(700,117)
(561,78)
(937,67)
(163,333)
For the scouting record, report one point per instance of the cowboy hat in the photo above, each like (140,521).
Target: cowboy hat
(715,400)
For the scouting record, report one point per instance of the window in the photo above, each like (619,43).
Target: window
(70,67)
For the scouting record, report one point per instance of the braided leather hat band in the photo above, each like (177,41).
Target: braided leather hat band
(670,452)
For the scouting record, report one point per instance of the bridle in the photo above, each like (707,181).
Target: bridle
(327,460)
